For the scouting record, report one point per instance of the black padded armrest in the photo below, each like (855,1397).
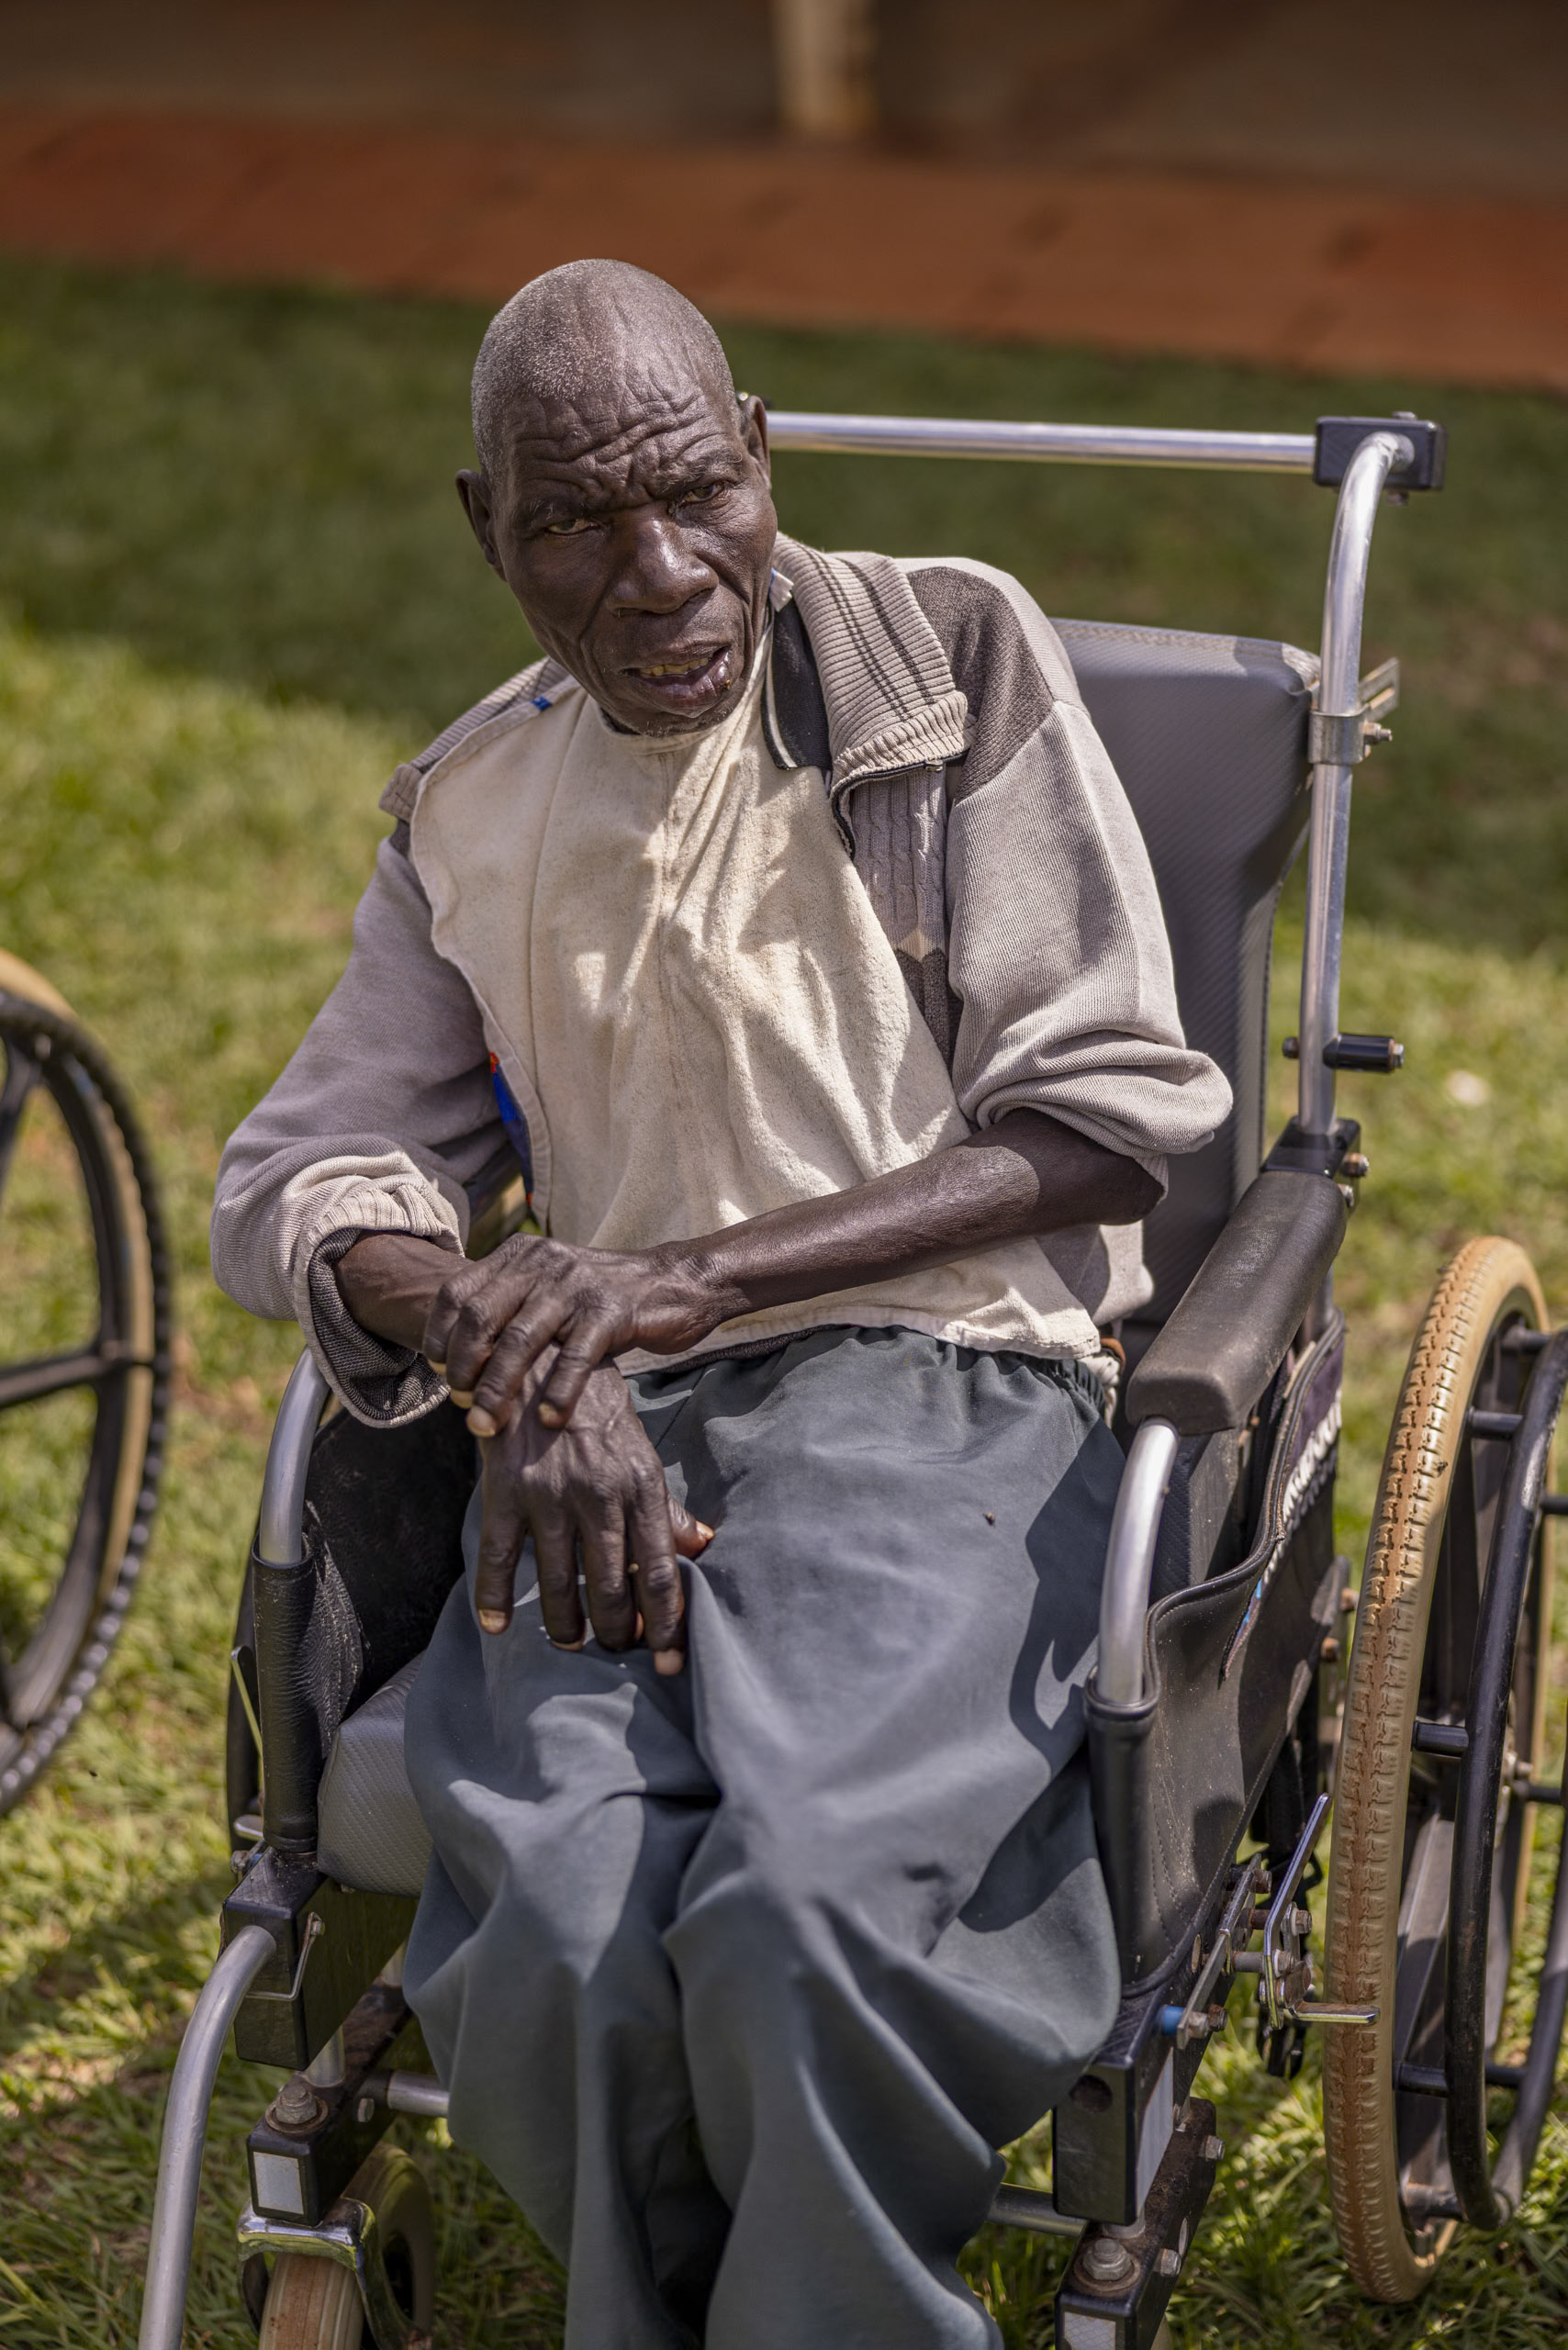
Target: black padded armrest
(1228,1336)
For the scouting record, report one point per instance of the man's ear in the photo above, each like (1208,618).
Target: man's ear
(474,492)
(754,431)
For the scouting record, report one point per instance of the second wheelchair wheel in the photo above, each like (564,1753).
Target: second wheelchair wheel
(1430,1889)
(83,1388)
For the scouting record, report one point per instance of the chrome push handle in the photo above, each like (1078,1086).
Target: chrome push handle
(280,1532)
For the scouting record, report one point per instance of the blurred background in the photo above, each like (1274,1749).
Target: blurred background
(1303,181)
(246,255)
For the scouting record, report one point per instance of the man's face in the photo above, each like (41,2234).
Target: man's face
(635,527)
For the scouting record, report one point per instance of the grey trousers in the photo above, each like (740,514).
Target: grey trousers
(738,1979)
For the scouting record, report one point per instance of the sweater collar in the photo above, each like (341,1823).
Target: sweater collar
(882,680)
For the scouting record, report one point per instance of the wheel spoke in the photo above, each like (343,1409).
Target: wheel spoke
(28,1383)
(1423,1932)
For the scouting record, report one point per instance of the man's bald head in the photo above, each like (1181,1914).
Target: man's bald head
(623,493)
(565,332)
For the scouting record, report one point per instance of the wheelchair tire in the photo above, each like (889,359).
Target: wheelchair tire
(1421,1618)
(312,2304)
(63,1604)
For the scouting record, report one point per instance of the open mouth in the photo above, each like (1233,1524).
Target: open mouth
(685,681)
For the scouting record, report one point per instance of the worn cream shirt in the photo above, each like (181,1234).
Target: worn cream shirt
(693,1000)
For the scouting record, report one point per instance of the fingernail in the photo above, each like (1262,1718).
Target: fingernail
(705,1531)
(480,1422)
(493,1619)
(552,1416)
(462,1397)
(439,1368)
(668,1660)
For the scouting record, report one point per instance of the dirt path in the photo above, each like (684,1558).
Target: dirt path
(1470,289)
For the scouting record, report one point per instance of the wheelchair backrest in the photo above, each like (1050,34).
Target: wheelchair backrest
(1208,734)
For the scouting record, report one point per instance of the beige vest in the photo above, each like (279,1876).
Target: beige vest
(693,1001)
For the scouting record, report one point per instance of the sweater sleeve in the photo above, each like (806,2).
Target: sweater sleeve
(382,1116)
(1057,953)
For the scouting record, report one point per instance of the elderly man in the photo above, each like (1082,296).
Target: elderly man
(789,920)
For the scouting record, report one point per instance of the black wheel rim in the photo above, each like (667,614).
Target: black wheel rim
(1426,2175)
(1465,1856)
(46,1678)
(1492,1818)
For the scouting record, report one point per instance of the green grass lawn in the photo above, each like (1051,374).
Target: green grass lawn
(235,589)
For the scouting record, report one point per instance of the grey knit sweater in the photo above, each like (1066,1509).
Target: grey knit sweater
(998,853)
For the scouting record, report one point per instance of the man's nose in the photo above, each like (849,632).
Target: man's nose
(656,569)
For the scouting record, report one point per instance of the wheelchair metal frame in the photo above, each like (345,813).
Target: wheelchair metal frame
(1135,2258)
(1341,724)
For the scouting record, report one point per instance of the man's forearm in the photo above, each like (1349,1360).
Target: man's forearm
(1028,1174)
(389,1281)
(488,1324)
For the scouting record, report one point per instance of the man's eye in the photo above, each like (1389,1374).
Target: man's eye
(569,530)
(701,496)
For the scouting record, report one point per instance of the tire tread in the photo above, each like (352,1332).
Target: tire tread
(1382,1689)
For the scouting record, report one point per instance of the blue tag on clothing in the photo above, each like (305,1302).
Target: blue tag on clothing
(515,1124)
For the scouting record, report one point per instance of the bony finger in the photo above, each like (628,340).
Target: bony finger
(559,1400)
(493,1594)
(500,1546)
(669,1656)
(499,1391)
(691,1536)
(661,1595)
(601,1538)
(440,1322)
(484,1421)
(575,1365)
(560,1602)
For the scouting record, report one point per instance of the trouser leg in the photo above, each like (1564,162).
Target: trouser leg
(565,1798)
(884,1954)
(893,1946)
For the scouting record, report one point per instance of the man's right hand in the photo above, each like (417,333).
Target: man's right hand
(595,1488)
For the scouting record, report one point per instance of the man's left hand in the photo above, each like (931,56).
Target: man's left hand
(492,1321)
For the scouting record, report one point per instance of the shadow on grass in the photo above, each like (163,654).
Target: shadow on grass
(78,2152)
(136,1932)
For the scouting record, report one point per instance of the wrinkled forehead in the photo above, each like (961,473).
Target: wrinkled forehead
(637,417)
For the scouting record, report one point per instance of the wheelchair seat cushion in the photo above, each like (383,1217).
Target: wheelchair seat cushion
(370,1834)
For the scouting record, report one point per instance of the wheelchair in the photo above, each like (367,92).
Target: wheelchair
(84,1279)
(1224,1717)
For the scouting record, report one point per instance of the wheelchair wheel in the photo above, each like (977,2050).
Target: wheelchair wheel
(1439,1779)
(83,1382)
(313,2303)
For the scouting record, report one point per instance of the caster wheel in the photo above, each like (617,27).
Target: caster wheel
(1439,1771)
(313,2302)
(312,2305)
